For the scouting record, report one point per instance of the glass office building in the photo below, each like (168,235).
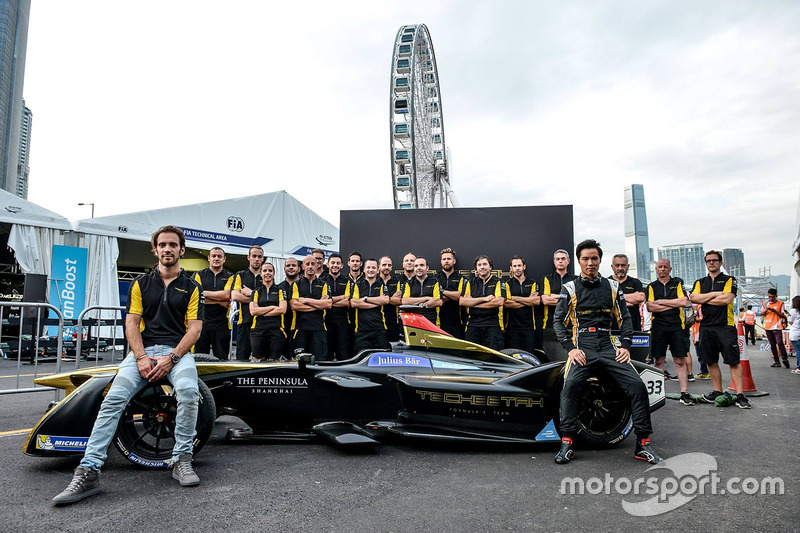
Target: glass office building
(637,241)
(687,261)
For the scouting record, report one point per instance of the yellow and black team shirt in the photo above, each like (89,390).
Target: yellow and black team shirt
(631,286)
(368,319)
(289,316)
(671,320)
(450,312)
(216,314)
(717,315)
(266,297)
(165,311)
(551,284)
(415,288)
(316,289)
(390,312)
(245,278)
(476,288)
(520,318)
(337,286)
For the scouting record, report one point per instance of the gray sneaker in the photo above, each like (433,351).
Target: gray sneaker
(182,471)
(85,482)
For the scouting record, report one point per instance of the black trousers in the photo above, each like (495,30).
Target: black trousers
(375,339)
(454,329)
(489,336)
(313,341)
(243,349)
(750,333)
(520,338)
(216,341)
(600,353)
(267,343)
(339,346)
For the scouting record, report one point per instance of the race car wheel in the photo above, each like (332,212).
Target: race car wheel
(604,413)
(531,359)
(146,431)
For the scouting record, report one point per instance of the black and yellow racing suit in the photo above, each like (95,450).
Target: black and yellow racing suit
(593,307)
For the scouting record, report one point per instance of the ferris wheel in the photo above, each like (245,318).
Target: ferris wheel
(419,156)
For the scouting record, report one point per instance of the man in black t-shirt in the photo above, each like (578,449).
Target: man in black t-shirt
(310,300)
(216,282)
(631,288)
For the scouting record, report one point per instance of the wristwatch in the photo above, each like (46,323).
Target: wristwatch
(365,298)
(174,358)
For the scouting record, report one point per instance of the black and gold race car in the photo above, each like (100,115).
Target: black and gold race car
(431,386)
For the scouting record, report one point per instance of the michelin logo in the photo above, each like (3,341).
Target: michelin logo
(641,340)
(61,444)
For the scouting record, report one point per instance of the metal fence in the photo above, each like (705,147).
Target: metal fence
(35,338)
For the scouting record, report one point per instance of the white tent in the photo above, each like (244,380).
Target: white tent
(33,232)
(276,221)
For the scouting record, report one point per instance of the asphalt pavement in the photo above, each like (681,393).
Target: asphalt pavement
(423,487)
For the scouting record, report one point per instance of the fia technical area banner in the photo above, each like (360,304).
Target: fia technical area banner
(68,282)
(499,232)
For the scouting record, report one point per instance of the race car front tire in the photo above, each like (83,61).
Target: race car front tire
(604,413)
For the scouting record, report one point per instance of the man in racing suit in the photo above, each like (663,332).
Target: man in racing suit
(594,305)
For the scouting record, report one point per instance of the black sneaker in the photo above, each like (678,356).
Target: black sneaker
(645,452)
(85,482)
(710,397)
(690,377)
(786,363)
(182,471)
(775,365)
(667,376)
(686,399)
(565,454)
(742,402)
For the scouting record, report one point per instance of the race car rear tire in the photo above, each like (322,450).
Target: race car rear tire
(531,359)
(146,431)
(604,413)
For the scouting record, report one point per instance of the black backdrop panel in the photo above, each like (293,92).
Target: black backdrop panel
(499,232)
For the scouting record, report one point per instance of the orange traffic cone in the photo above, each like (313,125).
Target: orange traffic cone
(748,385)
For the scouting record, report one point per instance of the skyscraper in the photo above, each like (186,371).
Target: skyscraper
(687,261)
(637,241)
(733,262)
(14,16)
(23,166)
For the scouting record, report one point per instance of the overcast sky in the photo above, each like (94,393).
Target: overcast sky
(151,104)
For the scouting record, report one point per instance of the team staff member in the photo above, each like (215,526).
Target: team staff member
(165,316)
(520,303)
(267,337)
(665,298)
(336,321)
(716,292)
(310,300)
(631,288)
(749,320)
(244,283)
(216,282)
(451,284)
(368,299)
(774,313)
(291,272)
(391,287)
(423,290)
(483,297)
(594,306)
(551,288)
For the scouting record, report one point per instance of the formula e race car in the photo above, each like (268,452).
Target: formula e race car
(431,386)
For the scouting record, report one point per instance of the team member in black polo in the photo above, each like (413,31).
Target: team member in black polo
(665,297)
(631,288)
(310,300)
(216,282)
(267,337)
(368,299)
(336,321)
(716,293)
(551,288)
(423,290)
(522,299)
(391,287)
(291,271)
(483,297)
(244,283)
(451,284)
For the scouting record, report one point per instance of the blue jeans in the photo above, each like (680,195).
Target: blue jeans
(796,346)
(126,384)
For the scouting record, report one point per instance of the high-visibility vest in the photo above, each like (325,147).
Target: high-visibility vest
(773,320)
(750,318)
